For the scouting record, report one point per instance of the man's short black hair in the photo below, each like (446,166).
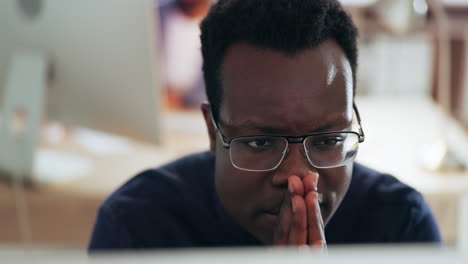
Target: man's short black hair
(289,26)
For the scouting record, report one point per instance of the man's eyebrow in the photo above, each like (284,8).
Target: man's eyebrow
(339,122)
(251,125)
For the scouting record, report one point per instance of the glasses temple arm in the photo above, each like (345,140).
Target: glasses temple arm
(221,136)
(361,131)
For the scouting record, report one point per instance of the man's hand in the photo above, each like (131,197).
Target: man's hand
(300,220)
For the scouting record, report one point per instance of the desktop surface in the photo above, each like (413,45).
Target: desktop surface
(267,255)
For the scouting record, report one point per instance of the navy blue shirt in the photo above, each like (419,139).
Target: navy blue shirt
(177,206)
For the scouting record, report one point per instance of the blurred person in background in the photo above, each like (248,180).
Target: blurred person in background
(284,132)
(180,51)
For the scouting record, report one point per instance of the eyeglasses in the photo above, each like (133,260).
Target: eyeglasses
(266,152)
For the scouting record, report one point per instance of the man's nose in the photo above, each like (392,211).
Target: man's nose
(295,162)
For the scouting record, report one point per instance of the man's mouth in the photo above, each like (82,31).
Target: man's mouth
(274,212)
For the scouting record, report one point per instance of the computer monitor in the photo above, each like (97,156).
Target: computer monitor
(363,254)
(89,63)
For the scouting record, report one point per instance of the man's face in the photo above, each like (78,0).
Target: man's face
(267,92)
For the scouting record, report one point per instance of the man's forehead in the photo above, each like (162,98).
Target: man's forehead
(264,84)
(265,71)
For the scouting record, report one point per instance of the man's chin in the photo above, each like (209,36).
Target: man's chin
(264,228)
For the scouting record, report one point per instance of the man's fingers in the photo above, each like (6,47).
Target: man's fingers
(310,182)
(300,221)
(315,230)
(296,186)
(287,219)
(298,231)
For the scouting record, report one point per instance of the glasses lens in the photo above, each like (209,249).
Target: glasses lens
(331,150)
(258,153)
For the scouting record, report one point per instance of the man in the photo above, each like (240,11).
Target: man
(284,131)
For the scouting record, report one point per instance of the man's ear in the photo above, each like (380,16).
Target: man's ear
(206,110)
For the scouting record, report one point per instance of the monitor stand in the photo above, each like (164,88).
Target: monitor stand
(22,114)
(462,242)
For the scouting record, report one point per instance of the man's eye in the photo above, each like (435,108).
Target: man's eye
(259,143)
(329,141)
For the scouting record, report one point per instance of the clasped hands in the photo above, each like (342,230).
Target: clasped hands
(300,220)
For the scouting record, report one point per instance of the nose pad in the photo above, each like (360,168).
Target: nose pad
(303,150)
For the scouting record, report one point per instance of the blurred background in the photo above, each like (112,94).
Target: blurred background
(93,92)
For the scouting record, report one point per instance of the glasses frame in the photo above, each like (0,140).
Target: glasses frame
(290,140)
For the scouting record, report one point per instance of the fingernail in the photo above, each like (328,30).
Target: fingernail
(316,178)
(320,198)
(318,244)
(291,188)
(293,206)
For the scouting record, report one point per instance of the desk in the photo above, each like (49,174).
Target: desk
(398,131)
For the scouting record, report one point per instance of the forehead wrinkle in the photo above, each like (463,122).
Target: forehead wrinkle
(336,121)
